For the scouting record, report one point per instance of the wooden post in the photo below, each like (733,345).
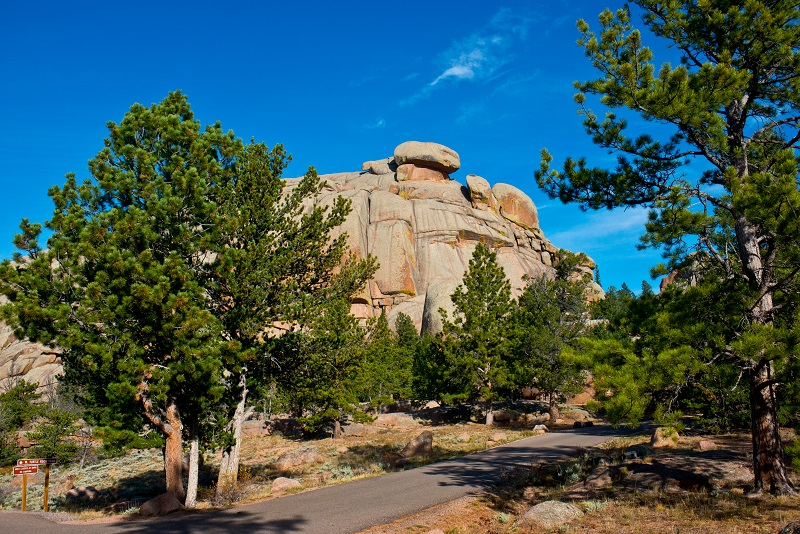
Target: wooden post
(46,485)
(24,491)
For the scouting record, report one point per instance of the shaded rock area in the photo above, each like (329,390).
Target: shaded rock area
(637,468)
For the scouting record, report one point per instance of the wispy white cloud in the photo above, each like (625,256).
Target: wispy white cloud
(378,123)
(479,56)
(603,230)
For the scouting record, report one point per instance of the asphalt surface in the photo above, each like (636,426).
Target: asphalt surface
(350,507)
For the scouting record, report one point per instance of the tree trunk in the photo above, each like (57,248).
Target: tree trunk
(194,468)
(769,469)
(229,465)
(553,408)
(489,414)
(173,452)
(337,429)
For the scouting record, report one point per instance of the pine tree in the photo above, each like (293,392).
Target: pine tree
(385,372)
(275,265)
(732,104)
(476,340)
(119,287)
(550,318)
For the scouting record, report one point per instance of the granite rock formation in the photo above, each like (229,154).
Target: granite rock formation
(423,227)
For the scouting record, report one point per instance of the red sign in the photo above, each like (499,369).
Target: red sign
(36,461)
(26,469)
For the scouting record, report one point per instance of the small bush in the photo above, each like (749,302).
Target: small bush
(116,441)
(362,417)
(52,434)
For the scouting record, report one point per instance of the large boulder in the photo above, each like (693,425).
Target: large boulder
(282,484)
(21,359)
(431,155)
(480,193)
(422,445)
(516,206)
(164,504)
(549,515)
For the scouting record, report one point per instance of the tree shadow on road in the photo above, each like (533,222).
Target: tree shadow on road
(234,522)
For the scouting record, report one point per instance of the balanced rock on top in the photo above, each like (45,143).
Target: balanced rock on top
(428,155)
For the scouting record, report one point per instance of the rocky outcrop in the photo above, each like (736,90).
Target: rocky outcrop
(423,227)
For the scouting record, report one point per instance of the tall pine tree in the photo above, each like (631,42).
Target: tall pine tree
(733,105)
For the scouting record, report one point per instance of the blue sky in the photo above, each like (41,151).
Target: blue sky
(337,83)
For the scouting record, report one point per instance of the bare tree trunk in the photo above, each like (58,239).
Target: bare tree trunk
(769,469)
(194,467)
(337,429)
(489,414)
(229,466)
(553,408)
(173,452)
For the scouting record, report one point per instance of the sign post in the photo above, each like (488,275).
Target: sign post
(46,504)
(30,466)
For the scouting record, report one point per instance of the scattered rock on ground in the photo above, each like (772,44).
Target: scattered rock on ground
(304,455)
(422,445)
(601,477)
(498,436)
(282,484)
(504,416)
(64,485)
(707,445)
(549,515)
(541,429)
(636,452)
(164,504)
(254,427)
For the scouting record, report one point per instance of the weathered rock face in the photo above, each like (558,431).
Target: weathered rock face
(24,360)
(422,227)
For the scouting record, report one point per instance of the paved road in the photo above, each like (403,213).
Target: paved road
(350,507)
